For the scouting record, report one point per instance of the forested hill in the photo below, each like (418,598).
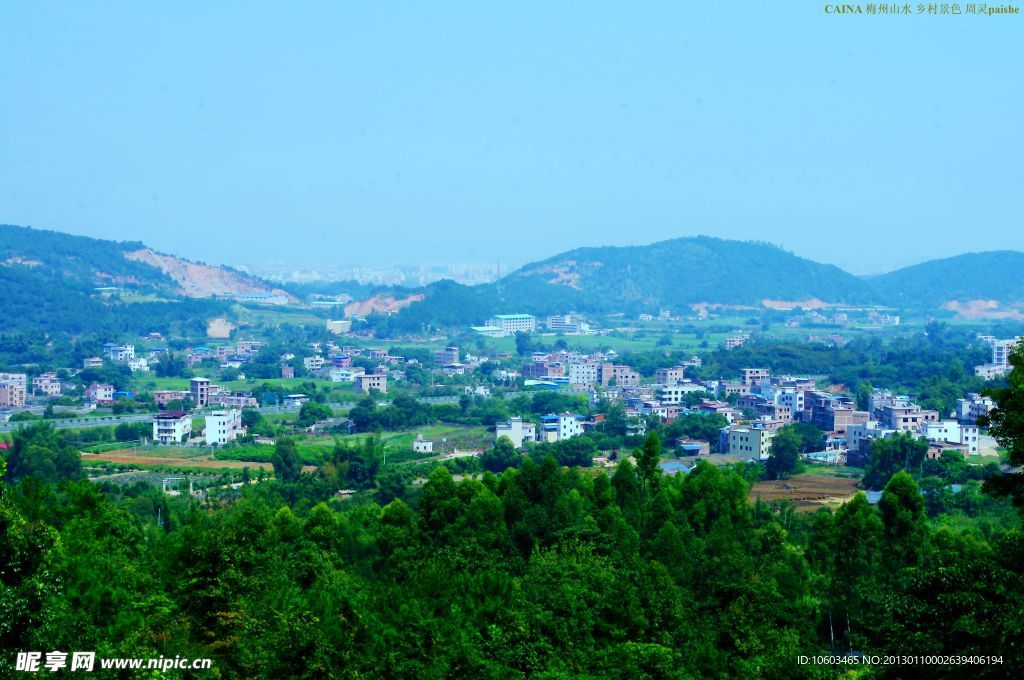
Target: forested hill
(687,271)
(56,282)
(684,272)
(76,261)
(996,276)
(670,274)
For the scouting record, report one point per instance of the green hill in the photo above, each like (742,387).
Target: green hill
(996,275)
(670,274)
(687,271)
(54,282)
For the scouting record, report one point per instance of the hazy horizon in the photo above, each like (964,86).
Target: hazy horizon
(390,134)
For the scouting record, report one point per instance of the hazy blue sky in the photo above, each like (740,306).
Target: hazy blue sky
(399,132)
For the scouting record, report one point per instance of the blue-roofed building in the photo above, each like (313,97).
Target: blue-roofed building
(674,467)
(558,426)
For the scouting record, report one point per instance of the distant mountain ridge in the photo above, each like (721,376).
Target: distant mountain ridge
(989,280)
(695,270)
(50,281)
(85,262)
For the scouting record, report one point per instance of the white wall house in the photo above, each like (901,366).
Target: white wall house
(954,433)
(223,426)
(518,431)
(172,427)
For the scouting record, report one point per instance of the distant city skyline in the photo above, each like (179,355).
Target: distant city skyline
(388,134)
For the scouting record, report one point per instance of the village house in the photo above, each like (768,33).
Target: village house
(172,427)
(199,390)
(165,397)
(12,395)
(670,376)
(446,356)
(517,430)
(99,394)
(223,426)
(47,384)
(372,381)
(119,353)
(421,445)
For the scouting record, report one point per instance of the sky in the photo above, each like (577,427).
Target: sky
(381,133)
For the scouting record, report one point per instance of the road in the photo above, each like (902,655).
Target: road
(115,420)
(112,420)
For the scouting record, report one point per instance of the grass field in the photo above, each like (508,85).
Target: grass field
(398,442)
(807,492)
(126,458)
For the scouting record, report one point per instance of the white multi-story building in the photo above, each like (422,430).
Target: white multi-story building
(581,373)
(345,374)
(1000,365)
(954,433)
(670,376)
(47,383)
(223,426)
(860,432)
(138,364)
(223,398)
(339,326)
(1001,352)
(119,353)
(568,323)
(789,396)
(19,379)
(972,407)
(518,431)
(97,394)
(557,427)
(676,393)
(751,441)
(513,323)
(314,363)
(989,371)
(172,427)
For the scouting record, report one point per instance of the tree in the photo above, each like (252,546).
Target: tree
(312,412)
(501,456)
(811,438)
(864,392)
(390,486)
(647,465)
(784,455)
(126,432)
(1006,424)
(902,508)
(524,344)
(890,455)
(627,492)
(286,462)
(171,365)
(40,452)
(699,426)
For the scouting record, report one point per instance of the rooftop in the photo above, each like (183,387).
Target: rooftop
(170,415)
